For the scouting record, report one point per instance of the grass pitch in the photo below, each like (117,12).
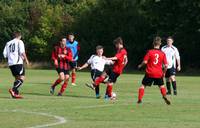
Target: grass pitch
(79,108)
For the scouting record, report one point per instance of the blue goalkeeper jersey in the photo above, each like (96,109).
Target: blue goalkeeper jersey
(74,48)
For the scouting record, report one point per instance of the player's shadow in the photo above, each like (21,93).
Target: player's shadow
(79,96)
(36,94)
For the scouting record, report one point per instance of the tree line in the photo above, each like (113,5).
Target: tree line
(44,22)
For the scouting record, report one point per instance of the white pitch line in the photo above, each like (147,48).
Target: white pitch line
(60,120)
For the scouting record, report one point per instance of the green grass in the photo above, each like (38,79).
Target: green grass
(81,110)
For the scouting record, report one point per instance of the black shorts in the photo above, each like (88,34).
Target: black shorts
(17,70)
(73,64)
(112,76)
(170,72)
(147,81)
(66,72)
(95,73)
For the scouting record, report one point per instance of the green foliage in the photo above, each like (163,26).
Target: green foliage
(43,22)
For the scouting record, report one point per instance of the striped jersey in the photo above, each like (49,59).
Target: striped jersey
(63,63)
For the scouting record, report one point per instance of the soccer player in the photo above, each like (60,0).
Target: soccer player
(173,56)
(61,56)
(74,46)
(97,63)
(154,60)
(15,52)
(120,61)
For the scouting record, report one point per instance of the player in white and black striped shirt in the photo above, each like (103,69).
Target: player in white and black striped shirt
(173,59)
(14,51)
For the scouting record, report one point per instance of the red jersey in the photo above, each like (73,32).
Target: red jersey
(155,59)
(119,63)
(63,62)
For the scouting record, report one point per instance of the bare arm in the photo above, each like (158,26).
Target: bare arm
(125,60)
(83,66)
(112,58)
(142,64)
(25,58)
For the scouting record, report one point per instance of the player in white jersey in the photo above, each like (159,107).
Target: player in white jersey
(173,59)
(97,63)
(14,51)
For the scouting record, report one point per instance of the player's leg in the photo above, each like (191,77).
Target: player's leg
(95,74)
(160,83)
(140,94)
(173,79)
(18,72)
(145,82)
(73,75)
(100,79)
(112,79)
(168,82)
(168,85)
(109,89)
(64,85)
(57,81)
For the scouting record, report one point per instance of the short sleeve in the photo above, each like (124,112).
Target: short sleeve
(21,47)
(165,60)
(90,59)
(177,54)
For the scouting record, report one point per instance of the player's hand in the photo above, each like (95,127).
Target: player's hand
(79,68)
(178,68)
(139,66)
(27,62)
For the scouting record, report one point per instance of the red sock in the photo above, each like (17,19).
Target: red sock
(140,93)
(109,90)
(73,77)
(99,80)
(63,87)
(163,90)
(58,81)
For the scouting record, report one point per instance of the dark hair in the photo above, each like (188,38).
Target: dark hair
(70,33)
(99,47)
(118,40)
(170,37)
(17,34)
(157,41)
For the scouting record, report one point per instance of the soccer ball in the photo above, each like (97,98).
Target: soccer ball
(114,96)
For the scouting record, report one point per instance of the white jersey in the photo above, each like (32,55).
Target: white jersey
(13,51)
(172,54)
(98,63)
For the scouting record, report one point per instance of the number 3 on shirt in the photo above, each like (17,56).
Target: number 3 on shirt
(156,59)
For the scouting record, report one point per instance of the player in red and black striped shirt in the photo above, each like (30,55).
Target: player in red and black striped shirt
(61,56)
(154,60)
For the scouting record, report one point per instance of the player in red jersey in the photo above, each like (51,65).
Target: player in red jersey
(120,61)
(154,60)
(61,56)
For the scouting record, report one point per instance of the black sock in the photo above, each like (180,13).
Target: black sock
(16,85)
(97,90)
(168,87)
(174,85)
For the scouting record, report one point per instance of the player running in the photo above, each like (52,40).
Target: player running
(74,46)
(61,56)
(173,56)
(97,63)
(15,52)
(120,61)
(154,60)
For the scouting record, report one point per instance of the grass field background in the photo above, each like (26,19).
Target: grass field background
(81,110)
